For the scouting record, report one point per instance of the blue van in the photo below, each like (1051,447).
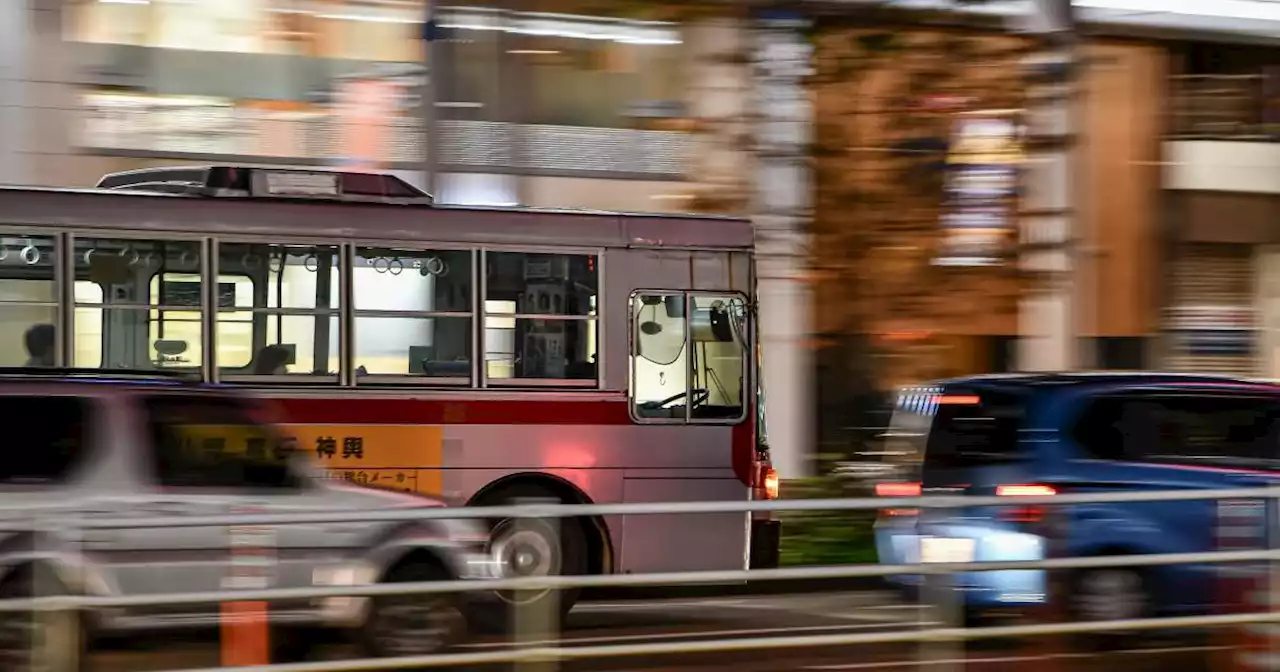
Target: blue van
(1043,434)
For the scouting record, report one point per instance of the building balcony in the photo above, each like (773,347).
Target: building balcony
(1224,134)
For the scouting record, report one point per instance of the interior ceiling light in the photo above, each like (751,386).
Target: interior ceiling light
(1249,10)
(562,25)
(1243,16)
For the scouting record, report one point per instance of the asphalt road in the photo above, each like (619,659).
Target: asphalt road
(621,622)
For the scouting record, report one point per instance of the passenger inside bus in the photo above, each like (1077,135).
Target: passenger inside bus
(40,343)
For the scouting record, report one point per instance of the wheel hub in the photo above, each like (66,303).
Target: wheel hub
(522,553)
(524,549)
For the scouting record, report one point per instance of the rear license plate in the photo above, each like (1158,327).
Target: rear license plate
(946,549)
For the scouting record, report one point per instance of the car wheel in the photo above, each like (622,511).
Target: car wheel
(529,548)
(38,642)
(413,625)
(1110,594)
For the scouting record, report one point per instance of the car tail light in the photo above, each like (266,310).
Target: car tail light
(1024,514)
(770,481)
(898,490)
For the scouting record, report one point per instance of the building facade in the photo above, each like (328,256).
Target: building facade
(531,108)
(1222,204)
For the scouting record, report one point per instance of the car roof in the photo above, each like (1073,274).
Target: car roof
(78,376)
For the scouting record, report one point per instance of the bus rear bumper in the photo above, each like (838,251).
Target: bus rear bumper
(765,536)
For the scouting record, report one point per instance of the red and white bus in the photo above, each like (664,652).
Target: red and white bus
(480,354)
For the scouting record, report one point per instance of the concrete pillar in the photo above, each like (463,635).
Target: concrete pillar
(719,97)
(15,26)
(1267,303)
(40,113)
(1049,234)
(782,211)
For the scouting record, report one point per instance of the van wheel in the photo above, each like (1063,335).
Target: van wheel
(38,642)
(413,625)
(528,548)
(1110,594)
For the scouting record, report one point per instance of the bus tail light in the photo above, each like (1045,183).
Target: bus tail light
(770,483)
(1024,514)
(767,482)
(898,490)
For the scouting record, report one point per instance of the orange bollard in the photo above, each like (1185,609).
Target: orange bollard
(246,627)
(245,633)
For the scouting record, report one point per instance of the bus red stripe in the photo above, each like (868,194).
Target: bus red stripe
(379,411)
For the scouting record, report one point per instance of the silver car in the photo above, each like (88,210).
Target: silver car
(81,448)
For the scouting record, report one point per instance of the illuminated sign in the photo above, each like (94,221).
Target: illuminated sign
(981,189)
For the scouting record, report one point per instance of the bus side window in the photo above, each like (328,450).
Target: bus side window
(659,358)
(282,320)
(182,326)
(412,314)
(28,298)
(718,351)
(540,318)
(689,357)
(145,312)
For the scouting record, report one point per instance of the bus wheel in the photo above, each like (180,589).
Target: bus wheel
(525,548)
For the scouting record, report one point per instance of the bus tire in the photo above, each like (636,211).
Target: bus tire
(525,541)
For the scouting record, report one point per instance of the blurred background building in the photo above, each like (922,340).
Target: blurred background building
(536,109)
(899,182)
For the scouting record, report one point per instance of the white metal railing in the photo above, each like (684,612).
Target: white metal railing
(948,633)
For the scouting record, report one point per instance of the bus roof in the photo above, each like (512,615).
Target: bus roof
(362,219)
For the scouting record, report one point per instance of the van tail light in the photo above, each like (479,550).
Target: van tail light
(770,481)
(898,490)
(1024,514)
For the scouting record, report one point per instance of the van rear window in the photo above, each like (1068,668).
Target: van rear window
(978,427)
(952,427)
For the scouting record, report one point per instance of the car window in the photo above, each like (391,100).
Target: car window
(208,441)
(973,428)
(45,439)
(1240,431)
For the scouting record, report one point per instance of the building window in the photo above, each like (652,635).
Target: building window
(597,83)
(345,29)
